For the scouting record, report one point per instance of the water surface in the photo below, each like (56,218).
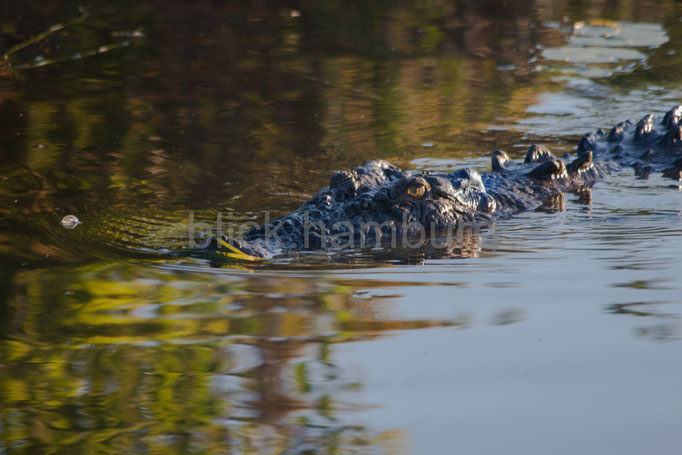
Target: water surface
(547,333)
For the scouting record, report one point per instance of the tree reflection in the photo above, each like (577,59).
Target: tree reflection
(114,361)
(241,107)
(210,96)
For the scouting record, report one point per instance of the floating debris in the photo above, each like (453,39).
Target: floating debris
(70,222)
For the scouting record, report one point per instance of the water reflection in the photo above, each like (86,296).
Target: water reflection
(182,120)
(121,137)
(665,327)
(545,327)
(161,357)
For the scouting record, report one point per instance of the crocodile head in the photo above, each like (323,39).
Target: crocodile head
(431,200)
(374,203)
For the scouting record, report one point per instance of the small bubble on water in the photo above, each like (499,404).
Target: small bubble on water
(70,221)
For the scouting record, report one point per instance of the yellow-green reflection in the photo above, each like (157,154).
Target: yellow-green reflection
(237,108)
(118,358)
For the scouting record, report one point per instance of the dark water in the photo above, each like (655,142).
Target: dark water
(549,333)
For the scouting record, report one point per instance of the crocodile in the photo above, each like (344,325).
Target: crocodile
(377,202)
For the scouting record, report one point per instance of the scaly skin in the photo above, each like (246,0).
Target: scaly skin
(377,200)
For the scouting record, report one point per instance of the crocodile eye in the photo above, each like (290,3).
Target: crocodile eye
(416,190)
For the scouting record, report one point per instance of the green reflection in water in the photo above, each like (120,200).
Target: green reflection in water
(233,108)
(121,358)
(185,117)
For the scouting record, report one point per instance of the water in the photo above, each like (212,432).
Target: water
(547,333)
